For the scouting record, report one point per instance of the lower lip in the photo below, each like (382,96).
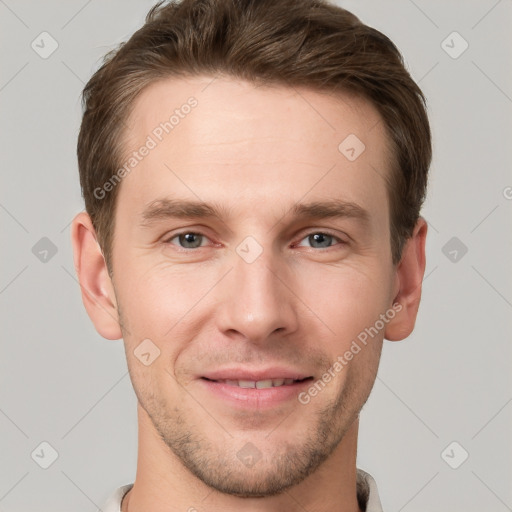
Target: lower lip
(253,397)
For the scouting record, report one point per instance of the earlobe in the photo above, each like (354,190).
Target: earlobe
(96,286)
(409,276)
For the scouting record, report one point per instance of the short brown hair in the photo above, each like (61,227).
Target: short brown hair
(308,43)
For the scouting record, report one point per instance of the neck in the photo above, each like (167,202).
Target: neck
(162,483)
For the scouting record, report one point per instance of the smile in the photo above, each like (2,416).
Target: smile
(259,384)
(261,394)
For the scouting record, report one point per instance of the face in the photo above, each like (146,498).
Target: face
(267,288)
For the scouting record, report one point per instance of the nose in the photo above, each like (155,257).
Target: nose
(257,302)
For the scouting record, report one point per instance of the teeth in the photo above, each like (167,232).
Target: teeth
(247,383)
(260,384)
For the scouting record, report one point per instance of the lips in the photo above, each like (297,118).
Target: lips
(258,384)
(249,390)
(251,377)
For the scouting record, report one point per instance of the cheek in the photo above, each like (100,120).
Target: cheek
(172,301)
(155,299)
(347,298)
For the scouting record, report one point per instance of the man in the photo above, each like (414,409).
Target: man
(253,173)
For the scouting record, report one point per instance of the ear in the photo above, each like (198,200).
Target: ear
(97,290)
(408,281)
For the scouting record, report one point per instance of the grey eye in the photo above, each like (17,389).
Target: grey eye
(320,240)
(188,240)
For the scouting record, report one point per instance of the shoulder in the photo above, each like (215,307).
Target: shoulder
(113,504)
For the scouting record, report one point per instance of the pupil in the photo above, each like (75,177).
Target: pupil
(320,237)
(189,239)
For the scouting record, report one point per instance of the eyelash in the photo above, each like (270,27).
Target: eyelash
(176,235)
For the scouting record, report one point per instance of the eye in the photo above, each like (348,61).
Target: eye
(324,240)
(189,239)
(194,240)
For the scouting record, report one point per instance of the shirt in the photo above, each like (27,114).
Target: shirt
(367,495)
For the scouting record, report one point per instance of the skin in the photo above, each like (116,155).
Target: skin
(300,304)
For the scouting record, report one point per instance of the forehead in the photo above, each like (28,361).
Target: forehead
(250,146)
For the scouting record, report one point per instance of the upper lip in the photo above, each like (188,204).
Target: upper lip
(252,374)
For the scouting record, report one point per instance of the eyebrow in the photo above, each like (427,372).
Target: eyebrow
(162,209)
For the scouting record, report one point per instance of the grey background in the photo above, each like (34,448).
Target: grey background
(60,382)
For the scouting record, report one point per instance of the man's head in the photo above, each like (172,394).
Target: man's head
(294,43)
(270,230)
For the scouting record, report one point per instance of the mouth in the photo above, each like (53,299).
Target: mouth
(259,384)
(252,393)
